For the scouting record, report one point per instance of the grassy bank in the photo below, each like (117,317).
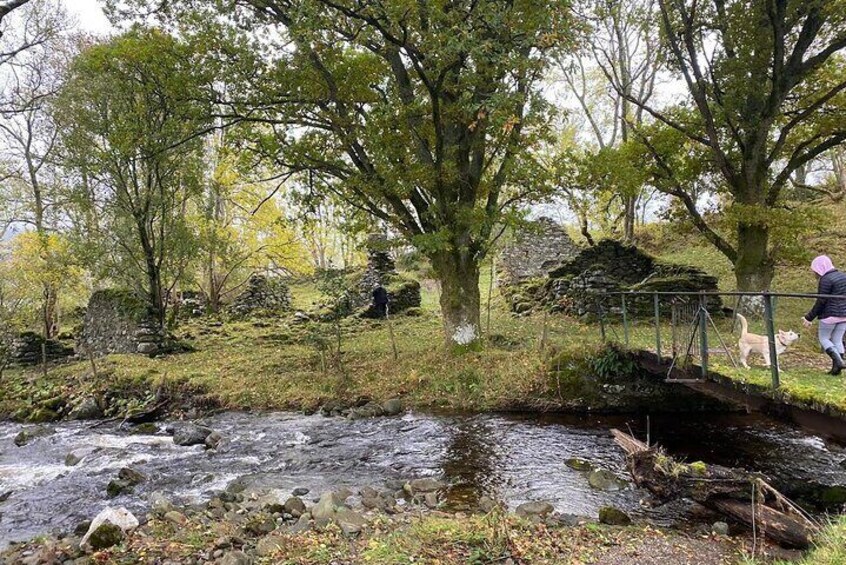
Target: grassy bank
(278,363)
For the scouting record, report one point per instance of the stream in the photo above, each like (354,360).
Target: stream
(513,458)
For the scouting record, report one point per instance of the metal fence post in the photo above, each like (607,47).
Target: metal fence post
(703,333)
(768,316)
(657,324)
(625,322)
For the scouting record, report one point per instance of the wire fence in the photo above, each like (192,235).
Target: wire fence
(695,330)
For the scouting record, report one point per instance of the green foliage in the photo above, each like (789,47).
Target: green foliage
(612,363)
(131,116)
(37,262)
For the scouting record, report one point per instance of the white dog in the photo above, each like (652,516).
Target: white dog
(759,343)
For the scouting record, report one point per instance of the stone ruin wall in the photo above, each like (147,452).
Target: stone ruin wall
(534,251)
(116,321)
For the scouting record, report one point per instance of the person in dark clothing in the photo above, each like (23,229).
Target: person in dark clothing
(830,311)
(380,301)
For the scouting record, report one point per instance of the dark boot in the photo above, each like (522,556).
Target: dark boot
(836,361)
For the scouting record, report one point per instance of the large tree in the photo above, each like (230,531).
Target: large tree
(132,121)
(420,113)
(766,88)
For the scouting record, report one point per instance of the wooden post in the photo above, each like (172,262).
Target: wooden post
(490,294)
(625,322)
(601,313)
(391,331)
(768,318)
(703,333)
(544,330)
(93,364)
(657,306)
(44,358)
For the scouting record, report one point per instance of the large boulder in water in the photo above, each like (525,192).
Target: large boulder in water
(186,433)
(28,434)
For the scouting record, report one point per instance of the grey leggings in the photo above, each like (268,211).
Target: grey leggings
(831,335)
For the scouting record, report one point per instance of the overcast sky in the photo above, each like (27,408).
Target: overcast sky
(89,14)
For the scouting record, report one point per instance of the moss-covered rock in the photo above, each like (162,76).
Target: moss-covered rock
(613,516)
(105,536)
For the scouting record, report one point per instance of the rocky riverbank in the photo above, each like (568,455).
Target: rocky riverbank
(396,522)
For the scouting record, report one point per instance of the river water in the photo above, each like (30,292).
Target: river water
(514,458)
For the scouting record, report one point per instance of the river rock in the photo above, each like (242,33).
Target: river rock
(236,558)
(259,525)
(325,508)
(341,495)
(147,428)
(487,504)
(295,507)
(30,433)
(87,409)
(213,440)
(105,536)
(131,476)
(604,480)
(579,464)
(532,509)
(117,487)
(72,459)
(421,486)
(369,410)
(392,407)
(120,517)
(613,516)
(349,521)
(430,499)
(368,492)
(175,517)
(185,433)
(159,503)
(302,525)
(269,545)
(720,528)
(300,491)
(373,502)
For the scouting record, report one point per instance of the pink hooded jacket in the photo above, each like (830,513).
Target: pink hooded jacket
(821,265)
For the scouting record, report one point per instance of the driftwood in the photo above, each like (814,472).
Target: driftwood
(743,496)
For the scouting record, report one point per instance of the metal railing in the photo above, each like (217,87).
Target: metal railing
(688,316)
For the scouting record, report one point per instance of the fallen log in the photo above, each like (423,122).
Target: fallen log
(743,496)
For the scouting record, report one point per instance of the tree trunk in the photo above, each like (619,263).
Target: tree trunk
(50,312)
(458,273)
(630,218)
(155,293)
(754,267)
